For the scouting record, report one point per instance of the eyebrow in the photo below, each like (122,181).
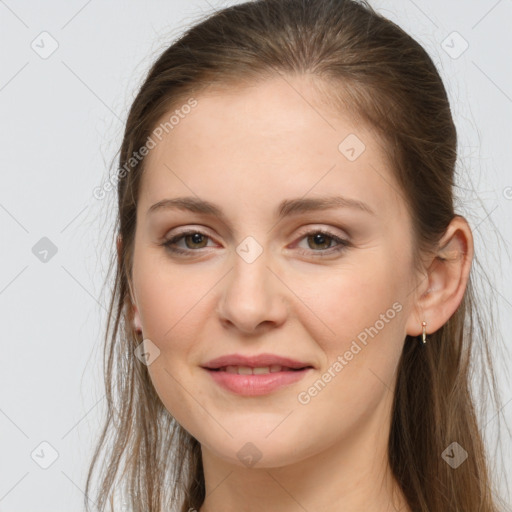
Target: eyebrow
(286,208)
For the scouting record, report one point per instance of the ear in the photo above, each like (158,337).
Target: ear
(137,325)
(446,280)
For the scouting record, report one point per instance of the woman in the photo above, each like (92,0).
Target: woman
(293,284)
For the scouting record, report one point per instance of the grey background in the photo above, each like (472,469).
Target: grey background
(61,124)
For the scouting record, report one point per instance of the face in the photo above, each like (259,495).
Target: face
(272,272)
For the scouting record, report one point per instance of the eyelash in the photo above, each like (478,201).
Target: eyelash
(342,243)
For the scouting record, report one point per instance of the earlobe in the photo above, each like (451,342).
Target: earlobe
(136,320)
(447,276)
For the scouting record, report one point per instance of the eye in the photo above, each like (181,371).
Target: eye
(321,242)
(193,239)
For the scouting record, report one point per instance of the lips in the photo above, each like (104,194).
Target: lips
(257,361)
(257,370)
(256,375)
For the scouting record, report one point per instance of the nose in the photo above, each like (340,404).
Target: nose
(253,297)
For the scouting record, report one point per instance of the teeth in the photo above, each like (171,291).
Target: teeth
(264,369)
(247,370)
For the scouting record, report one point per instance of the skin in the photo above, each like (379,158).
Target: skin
(246,150)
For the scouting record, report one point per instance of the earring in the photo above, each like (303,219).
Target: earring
(424,333)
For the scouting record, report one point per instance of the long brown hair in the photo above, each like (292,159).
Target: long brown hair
(369,66)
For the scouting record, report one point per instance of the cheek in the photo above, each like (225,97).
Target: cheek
(363,308)
(362,345)
(353,298)
(171,310)
(169,300)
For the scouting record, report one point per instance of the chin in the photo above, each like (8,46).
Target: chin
(251,450)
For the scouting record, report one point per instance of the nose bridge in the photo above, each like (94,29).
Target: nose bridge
(252,295)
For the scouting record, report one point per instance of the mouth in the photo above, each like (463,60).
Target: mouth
(258,370)
(256,381)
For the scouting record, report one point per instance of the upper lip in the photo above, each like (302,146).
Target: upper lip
(257,361)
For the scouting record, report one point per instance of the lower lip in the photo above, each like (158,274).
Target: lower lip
(254,385)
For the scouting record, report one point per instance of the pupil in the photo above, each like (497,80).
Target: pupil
(320,239)
(196,238)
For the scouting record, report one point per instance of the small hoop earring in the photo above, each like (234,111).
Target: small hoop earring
(424,333)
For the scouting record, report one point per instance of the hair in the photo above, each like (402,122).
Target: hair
(369,67)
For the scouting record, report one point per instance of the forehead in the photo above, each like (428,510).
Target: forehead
(267,140)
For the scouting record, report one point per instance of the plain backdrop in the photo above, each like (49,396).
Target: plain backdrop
(68,72)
